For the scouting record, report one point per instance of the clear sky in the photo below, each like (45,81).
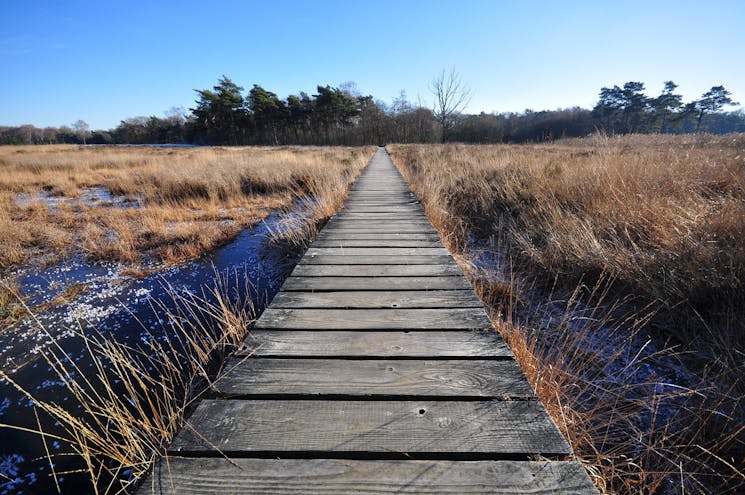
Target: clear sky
(103,61)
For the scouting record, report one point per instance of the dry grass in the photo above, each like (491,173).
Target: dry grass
(664,215)
(645,220)
(134,400)
(10,309)
(191,200)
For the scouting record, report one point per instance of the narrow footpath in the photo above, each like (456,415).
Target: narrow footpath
(374,370)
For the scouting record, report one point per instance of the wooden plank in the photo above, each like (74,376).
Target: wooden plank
(400,242)
(381,217)
(384,219)
(353,344)
(381,226)
(348,377)
(397,200)
(376,236)
(376,270)
(403,225)
(359,227)
(296,283)
(355,251)
(375,260)
(354,233)
(373,319)
(218,476)
(378,299)
(354,201)
(476,429)
(414,211)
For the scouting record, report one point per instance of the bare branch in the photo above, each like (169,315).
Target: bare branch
(451,98)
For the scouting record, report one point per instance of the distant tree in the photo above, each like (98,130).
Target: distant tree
(451,98)
(300,109)
(623,110)
(82,129)
(333,110)
(374,124)
(269,113)
(609,108)
(710,102)
(220,113)
(635,105)
(667,105)
(132,130)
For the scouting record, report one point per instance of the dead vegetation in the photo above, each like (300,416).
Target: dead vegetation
(132,400)
(603,227)
(168,204)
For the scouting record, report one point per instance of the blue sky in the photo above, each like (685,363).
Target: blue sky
(103,61)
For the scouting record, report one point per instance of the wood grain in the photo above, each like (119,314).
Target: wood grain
(377,243)
(377,299)
(348,377)
(328,235)
(376,270)
(486,429)
(296,283)
(375,260)
(374,319)
(383,251)
(217,476)
(356,344)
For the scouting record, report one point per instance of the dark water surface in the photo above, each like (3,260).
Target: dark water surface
(122,309)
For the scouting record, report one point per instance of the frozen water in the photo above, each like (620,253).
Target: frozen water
(120,307)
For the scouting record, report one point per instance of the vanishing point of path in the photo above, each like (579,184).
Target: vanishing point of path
(374,370)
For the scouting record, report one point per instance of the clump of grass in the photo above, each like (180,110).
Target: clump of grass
(646,220)
(185,201)
(68,294)
(635,431)
(10,306)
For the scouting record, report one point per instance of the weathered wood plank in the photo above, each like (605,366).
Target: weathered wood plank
(371,243)
(385,236)
(383,217)
(376,270)
(408,213)
(366,227)
(391,227)
(478,429)
(354,233)
(374,319)
(353,344)
(403,222)
(359,251)
(378,299)
(374,260)
(217,476)
(372,202)
(346,377)
(296,283)
(395,199)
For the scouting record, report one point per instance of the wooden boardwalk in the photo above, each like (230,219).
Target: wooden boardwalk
(374,370)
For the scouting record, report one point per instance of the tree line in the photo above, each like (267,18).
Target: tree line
(226,114)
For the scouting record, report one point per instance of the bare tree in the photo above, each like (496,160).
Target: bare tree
(451,98)
(82,129)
